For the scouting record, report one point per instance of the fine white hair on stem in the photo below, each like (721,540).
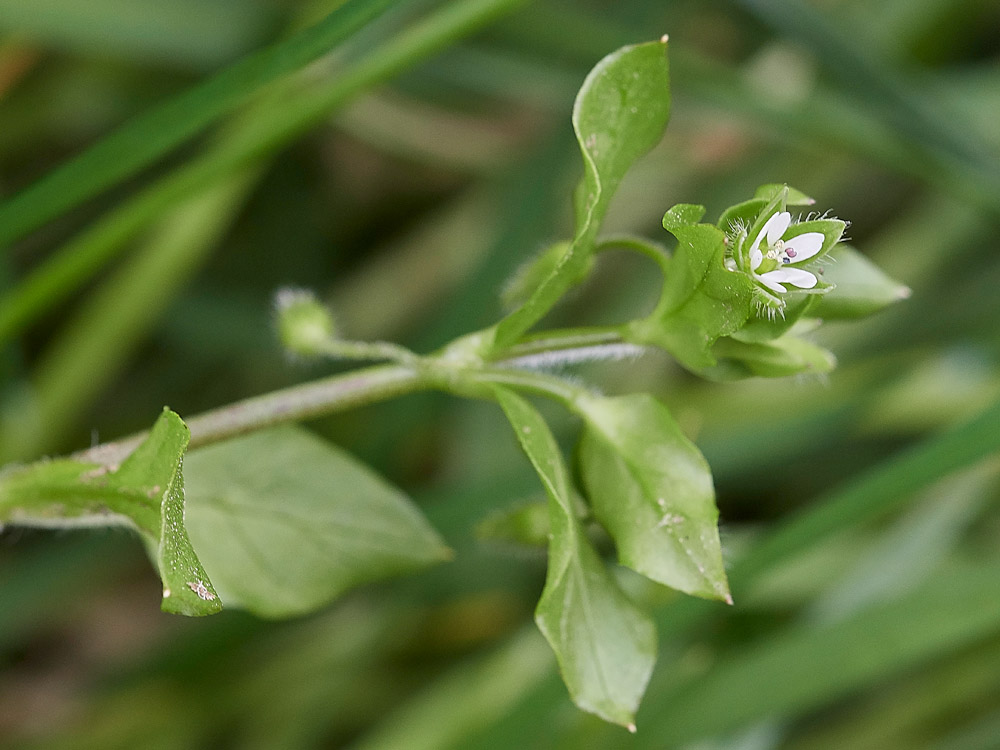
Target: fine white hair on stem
(562,357)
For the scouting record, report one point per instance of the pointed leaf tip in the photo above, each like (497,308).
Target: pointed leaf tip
(604,644)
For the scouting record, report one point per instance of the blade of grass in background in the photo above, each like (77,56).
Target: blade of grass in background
(97,341)
(864,73)
(139,142)
(471,696)
(288,118)
(92,349)
(885,488)
(186,33)
(800,669)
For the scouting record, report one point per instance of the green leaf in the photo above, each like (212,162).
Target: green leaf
(701,299)
(793,197)
(682,215)
(788,355)
(604,644)
(860,287)
(286,522)
(146,492)
(620,113)
(652,490)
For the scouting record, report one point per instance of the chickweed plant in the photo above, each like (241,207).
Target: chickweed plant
(262,515)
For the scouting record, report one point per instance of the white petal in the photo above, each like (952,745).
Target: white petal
(756,258)
(794,276)
(777,225)
(805,245)
(760,235)
(771,283)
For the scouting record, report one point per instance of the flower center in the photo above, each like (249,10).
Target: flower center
(777,255)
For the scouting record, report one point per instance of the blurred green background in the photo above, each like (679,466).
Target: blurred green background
(404,178)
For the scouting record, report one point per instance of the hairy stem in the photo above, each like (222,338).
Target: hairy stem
(341,392)
(565,338)
(314,399)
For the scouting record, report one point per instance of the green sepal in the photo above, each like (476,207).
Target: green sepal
(702,299)
(773,196)
(831,229)
(742,214)
(792,196)
(788,355)
(767,327)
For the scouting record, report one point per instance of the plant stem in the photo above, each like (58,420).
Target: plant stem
(655,252)
(565,338)
(340,392)
(540,384)
(318,398)
(369,350)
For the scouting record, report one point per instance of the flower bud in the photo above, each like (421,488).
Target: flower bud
(305,327)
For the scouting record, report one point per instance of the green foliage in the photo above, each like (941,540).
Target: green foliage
(619,115)
(604,644)
(140,142)
(779,357)
(646,483)
(652,490)
(286,523)
(701,299)
(146,492)
(860,287)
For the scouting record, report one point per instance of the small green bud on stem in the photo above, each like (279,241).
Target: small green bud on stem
(305,326)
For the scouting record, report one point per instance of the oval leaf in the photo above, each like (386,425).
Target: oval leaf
(620,113)
(788,355)
(605,645)
(286,522)
(651,489)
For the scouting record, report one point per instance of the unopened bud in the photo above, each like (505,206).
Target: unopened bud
(304,325)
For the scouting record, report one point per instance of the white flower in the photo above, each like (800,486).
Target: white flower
(778,256)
